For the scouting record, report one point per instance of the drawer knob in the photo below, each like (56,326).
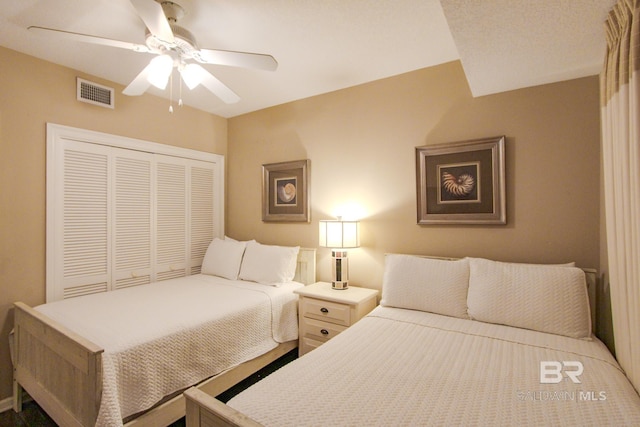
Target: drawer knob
(324,332)
(324,310)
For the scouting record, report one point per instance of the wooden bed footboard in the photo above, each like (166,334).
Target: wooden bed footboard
(204,410)
(61,370)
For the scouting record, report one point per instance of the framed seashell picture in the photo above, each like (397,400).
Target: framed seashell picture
(285,193)
(461,182)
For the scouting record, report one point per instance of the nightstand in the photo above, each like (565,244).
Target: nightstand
(325,312)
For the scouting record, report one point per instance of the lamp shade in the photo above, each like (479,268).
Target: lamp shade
(160,70)
(192,75)
(339,234)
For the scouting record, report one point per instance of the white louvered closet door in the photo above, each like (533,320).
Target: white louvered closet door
(79,221)
(132,218)
(202,179)
(185,207)
(171,218)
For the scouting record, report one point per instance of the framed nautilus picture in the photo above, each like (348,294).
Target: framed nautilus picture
(285,193)
(461,182)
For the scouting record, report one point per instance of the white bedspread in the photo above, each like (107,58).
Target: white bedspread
(404,367)
(163,337)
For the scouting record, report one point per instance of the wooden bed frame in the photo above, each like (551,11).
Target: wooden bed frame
(204,410)
(62,371)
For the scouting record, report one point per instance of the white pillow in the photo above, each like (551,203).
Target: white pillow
(426,284)
(545,298)
(223,258)
(269,265)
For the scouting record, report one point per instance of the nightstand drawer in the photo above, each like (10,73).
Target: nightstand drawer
(319,330)
(326,310)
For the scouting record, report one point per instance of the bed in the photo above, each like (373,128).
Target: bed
(453,342)
(124,357)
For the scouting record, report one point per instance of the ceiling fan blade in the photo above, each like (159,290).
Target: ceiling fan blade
(238,59)
(140,84)
(154,18)
(218,88)
(85,38)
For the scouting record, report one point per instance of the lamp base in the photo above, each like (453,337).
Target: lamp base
(340,269)
(340,286)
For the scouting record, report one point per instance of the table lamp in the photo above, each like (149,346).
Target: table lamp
(339,235)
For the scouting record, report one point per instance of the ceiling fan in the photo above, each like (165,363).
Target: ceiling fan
(174,47)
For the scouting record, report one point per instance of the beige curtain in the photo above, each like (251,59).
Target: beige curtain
(620,109)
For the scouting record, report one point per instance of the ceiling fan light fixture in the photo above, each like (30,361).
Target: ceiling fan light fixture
(160,69)
(192,75)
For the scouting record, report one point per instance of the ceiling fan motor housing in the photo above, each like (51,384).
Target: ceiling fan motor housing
(184,44)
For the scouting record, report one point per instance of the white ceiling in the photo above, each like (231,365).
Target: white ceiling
(326,45)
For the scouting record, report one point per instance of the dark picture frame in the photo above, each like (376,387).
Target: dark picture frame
(462,182)
(285,192)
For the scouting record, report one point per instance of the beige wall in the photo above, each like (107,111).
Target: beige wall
(360,142)
(32,93)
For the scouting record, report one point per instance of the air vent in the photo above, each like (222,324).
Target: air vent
(94,93)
